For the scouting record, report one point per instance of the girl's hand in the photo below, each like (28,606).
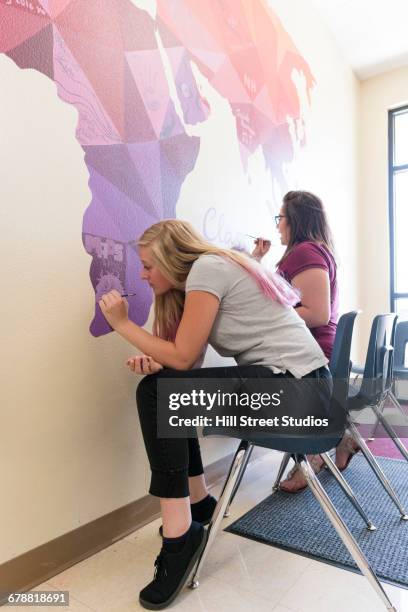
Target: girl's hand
(143,364)
(114,308)
(262,246)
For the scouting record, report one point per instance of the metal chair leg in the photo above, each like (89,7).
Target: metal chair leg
(223,500)
(377,469)
(396,403)
(391,432)
(332,467)
(344,533)
(390,395)
(282,468)
(244,465)
(376,424)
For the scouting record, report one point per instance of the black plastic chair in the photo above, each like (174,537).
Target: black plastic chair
(375,389)
(340,368)
(399,341)
(400,348)
(400,372)
(299,450)
(377,373)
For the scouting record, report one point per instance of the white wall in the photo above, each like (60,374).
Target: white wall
(378,95)
(328,165)
(71,448)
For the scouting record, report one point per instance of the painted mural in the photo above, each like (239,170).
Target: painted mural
(131,75)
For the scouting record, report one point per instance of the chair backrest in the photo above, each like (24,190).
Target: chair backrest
(378,367)
(340,358)
(400,344)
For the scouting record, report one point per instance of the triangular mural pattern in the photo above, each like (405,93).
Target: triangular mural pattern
(105,61)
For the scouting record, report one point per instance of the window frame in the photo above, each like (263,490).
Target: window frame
(392,169)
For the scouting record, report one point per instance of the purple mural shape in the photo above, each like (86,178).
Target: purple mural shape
(105,61)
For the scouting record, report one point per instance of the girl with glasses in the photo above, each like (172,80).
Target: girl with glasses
(309,265)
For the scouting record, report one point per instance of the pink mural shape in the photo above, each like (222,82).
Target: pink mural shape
(104,59)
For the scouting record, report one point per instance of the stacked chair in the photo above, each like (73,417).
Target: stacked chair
(400,350)
(374,391)
(400,369)
(299,449)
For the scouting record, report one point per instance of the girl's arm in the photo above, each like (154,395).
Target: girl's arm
(200,310)
(314,286)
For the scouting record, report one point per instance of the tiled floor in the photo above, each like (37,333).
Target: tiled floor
(240,575)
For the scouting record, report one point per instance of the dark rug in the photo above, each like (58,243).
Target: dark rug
(298,524)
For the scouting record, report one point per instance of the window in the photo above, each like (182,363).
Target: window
(398,203)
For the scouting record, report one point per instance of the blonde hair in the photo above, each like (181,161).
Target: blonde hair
(175,245)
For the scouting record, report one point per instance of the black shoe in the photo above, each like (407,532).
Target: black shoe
(172,570)
(200,513)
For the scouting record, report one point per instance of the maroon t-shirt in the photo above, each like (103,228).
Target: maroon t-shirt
(304,256)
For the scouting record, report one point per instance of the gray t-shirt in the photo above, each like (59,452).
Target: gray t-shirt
(250,327)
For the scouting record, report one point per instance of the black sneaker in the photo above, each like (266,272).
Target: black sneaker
(200,515)
(172,570)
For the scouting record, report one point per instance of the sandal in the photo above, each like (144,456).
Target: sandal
(317,465)
(347,445)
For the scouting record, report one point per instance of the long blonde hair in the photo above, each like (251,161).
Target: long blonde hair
(175,246)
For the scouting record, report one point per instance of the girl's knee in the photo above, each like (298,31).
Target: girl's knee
(146,389)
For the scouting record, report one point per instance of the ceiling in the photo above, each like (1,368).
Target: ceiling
(371,34)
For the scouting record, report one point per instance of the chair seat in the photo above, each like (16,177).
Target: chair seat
(294,445)
(356,368)
(357,399)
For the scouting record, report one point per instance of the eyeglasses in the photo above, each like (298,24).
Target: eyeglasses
(278,218)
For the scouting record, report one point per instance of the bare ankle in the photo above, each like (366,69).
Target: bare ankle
(198,488)
(198,498)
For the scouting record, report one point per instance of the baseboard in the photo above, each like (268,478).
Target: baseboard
(41,563)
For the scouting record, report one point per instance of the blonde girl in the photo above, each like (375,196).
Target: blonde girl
(203,294)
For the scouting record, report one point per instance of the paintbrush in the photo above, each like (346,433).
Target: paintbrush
(256,237)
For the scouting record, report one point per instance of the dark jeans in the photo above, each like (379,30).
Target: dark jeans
(172,461)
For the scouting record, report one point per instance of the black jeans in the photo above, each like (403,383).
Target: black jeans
(172,461)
